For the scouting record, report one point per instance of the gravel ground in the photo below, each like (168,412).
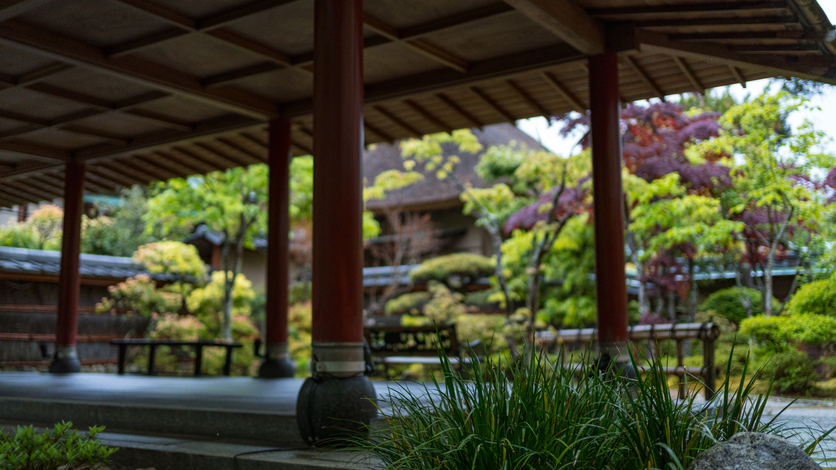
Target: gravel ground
(804,415)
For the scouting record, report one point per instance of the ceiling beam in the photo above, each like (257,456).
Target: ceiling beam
(166,156)
(254,157)
(735,35)
(566,20)
(222,154)
(806,67)
(199,158)
(11,8)
(689,74)
(532,60)
(62,48)
(781,20)
(564,92)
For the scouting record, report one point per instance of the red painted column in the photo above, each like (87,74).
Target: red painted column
(610,279)
(334,403)
(69,284)
(338,204)
(277,362)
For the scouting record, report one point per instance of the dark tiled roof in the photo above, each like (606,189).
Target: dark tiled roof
(21,260)
(385,157)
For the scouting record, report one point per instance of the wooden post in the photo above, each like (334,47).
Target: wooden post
(710,368)
(69,284)
(277,362)
(610,279)
(334,402)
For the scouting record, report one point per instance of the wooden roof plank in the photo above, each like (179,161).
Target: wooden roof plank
(475,122)
(153,75)
(535,105)
(492,104)
(223,155)
(644,77)
(428,115)
(418,45)
(376,131)
(11,8)
(254,156)
(689,74)
(679,8)
(564,92)
(400,122)
(566,20)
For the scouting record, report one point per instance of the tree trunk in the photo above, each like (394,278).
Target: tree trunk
(767,283)
(226,303)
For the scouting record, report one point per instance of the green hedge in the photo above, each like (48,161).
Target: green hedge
(411,303)
(779,331)
(455,270)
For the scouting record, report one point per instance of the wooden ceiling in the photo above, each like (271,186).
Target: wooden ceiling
(144,90)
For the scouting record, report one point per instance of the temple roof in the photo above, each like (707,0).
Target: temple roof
(143,90)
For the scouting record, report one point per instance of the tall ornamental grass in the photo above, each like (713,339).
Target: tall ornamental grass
(542,414)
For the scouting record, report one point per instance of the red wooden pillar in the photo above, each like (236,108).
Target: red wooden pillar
(333,399)
(610,279)
(277,362)
(66,356)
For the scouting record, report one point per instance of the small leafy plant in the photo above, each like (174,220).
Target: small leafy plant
(59,448)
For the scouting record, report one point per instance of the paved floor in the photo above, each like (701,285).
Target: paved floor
(244,394)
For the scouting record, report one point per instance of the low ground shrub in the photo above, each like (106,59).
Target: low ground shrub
(59,448)
(411,303)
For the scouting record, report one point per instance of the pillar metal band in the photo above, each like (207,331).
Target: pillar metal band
(338,359)
(277,352)
(617,351)
(66,352)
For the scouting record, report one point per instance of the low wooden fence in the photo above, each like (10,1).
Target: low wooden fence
(651,335)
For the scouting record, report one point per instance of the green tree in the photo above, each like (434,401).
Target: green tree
(232,203)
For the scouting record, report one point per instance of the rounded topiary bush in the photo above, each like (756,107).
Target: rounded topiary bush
(728,303)
(817,297)
(456,270)
(411,303)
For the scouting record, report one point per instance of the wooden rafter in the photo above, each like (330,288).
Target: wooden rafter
(428,115)
(12,8)
(153,171)
(631,61)
(254,157)
(737,75)
(107,175)
(239,74)
(27,194)
(535,105)
(235,160)
(166,156)
(376,131)
(714,21)
(51,44)
(473,120)
(492,104)
(738,35)
(689,74)
(198,158)
(158,161)
(564,92)
(132,175)
(400,122)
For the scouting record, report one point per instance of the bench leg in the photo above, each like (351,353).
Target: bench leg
(122,353)
(228,363)
(198,359)
(152,359)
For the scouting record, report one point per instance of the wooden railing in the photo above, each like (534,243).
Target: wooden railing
(706,332)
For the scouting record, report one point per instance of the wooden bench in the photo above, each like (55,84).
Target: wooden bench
(706,332)
(392,345)
(153,344)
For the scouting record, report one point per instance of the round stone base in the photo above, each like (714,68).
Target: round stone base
(277,369)
(332,409)
(65,365)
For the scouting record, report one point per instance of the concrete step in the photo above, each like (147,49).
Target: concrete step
(167,453)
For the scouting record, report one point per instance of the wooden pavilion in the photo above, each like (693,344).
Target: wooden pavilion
(96,95)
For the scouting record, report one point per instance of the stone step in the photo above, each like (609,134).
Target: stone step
(264,428)
(168,453)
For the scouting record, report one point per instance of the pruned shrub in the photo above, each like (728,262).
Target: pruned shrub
(411,303)
(780,332)
(818,297)
(456,270)
(729,303)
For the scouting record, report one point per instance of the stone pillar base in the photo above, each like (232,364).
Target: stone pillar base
(614,358)
(277,363)
(65,361)
(330,409)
